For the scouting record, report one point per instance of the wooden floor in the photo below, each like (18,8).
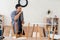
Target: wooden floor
(7,35)
(24,39)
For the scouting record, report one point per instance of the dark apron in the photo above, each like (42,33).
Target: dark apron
(19,25)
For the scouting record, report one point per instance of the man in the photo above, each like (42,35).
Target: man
(17,20)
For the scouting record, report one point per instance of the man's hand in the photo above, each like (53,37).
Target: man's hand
(20,12)
(17,16)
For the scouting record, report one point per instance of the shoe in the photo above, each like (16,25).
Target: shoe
(23,32)
(2,37)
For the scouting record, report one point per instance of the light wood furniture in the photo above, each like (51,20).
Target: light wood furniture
(53,33)
(32,29)
(27,31)
(54,22)
(51,37)
(40,30)
(28,37)
(49,33)
(55,36)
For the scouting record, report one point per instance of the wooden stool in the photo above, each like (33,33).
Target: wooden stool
(28,28)
(54,33)
(32,30)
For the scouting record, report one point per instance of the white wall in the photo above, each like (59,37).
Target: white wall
(34,12)
(6,6)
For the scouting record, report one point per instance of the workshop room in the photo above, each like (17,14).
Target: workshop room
(29,19)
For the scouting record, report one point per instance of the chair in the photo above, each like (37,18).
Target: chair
(40,30)
(53,36)
(32,30)
(53,33)
(27,31)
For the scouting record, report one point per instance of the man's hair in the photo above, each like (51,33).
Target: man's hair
(17,5)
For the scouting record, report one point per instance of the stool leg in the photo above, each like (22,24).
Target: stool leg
(53,33)
(32,30)
(37,31)
(28,28)
(49,33)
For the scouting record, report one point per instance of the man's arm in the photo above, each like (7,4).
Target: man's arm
(17,16)
(22,18)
